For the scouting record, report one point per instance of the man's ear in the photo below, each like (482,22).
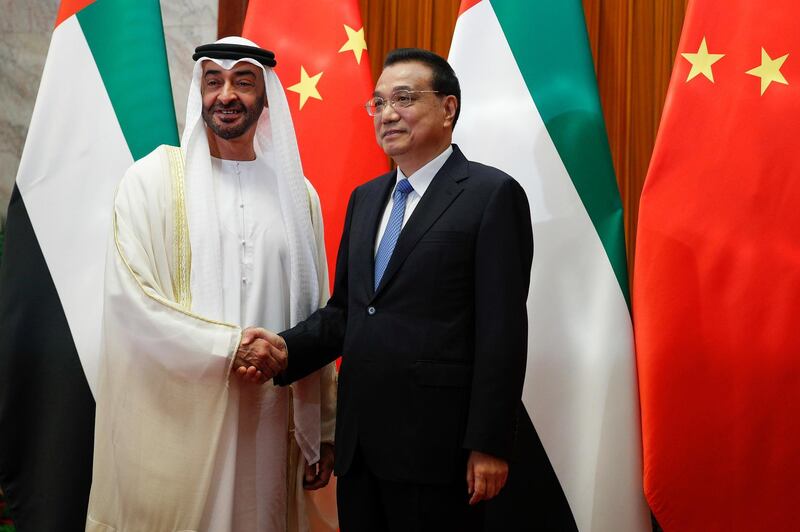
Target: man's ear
(450,105)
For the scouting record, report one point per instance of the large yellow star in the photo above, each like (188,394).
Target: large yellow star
(701,62)
(307,88)
(355,42)
(769,70)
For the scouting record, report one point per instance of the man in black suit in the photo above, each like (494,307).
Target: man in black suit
(428,311)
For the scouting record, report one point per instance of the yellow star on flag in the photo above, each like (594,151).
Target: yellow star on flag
(701,62)
(307,88)
(355,42)
(769,70)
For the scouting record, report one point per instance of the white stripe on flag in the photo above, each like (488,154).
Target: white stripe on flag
(74,156)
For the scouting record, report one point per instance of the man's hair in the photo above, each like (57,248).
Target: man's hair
(444,80)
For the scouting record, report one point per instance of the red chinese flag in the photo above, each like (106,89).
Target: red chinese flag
(716,296)
(324,67)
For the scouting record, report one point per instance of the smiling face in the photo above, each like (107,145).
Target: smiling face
(413,135)
(232,99)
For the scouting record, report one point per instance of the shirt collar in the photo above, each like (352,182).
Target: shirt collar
(422,178)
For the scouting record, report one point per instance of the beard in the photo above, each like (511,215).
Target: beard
(250,115)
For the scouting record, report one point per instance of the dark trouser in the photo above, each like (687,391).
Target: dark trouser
(367,503)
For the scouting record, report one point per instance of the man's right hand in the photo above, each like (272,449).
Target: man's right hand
(261,355)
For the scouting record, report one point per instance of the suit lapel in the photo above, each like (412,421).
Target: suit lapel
(369,221)
(444,188)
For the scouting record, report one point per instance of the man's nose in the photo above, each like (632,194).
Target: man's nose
(227,94)
(389,113)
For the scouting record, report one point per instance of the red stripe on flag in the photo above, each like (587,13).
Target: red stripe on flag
(466,4)
(69,8)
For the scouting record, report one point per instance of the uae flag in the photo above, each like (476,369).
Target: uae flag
(324,67)
(104,101)
(530,107)
(717,279)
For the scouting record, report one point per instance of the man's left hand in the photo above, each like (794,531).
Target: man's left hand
(486,475)
(317,475)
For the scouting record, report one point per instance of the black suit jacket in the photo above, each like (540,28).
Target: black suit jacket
(433,361)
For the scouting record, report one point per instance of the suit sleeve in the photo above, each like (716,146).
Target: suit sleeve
(318,339)
(503,257)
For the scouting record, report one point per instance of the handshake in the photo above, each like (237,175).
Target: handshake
(261,355)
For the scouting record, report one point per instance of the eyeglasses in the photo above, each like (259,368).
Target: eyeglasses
(398,100)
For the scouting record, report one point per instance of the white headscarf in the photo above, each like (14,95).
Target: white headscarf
(275,143)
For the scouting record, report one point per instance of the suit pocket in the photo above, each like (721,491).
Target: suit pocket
(444,237)
(442,374)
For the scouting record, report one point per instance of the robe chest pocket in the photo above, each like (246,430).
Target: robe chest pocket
(441,374)
(444,237)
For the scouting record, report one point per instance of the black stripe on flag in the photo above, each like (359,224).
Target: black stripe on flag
(46,406)
(532,499)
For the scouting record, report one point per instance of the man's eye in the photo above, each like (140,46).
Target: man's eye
(402,98)
(245,84)
(212,82)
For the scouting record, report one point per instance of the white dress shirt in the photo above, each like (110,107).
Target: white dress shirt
(420,180)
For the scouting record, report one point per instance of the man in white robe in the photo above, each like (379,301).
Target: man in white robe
(218,235)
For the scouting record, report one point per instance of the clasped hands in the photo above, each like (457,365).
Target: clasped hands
(261,355)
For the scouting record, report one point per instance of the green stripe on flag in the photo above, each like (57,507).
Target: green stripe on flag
(126,38)
(556,63)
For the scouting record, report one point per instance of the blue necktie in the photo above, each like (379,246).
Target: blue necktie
(393,229)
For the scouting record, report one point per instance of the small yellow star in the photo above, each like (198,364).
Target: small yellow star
(769,70)
(355,42)
(307,88)
(701,62)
